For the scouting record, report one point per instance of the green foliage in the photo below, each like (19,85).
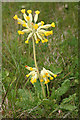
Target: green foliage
(68,107)
(71,97)
(63,89)
(66,103)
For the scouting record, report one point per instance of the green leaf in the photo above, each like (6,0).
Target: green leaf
(63,89)
(38,88)
(71,97)
(53,93)
(68,107)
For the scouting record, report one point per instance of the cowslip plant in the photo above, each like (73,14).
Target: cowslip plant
(38,32)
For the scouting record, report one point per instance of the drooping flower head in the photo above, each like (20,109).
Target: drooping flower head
(45,75)
(33,73)
(34,29)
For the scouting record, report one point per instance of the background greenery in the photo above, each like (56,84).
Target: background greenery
(60,55)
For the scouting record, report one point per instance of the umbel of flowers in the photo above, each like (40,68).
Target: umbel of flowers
(37,32)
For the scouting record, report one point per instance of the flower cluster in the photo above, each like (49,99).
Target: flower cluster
(36,30)
(45,75)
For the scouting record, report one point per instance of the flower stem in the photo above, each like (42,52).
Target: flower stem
(37,67)
(47,89)
(34,54)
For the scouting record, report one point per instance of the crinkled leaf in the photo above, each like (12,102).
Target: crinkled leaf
(63,89)
(71,97)
(68,107)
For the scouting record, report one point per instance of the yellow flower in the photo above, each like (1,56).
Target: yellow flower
(51,32)
(27,75)
(24,21)
(48,33)
(23,10)
(51,78)
(46,40)
(42,22)
(28,18)
(53,24)
(34,80)
(19,23)
(27,41)
(41,80)
(46,82)
(29,11)
(43,41)
(42,34)
(55,76)
(37,12)
(37,41)
(15,17)
(44,76)
(24,25)
(20,32)
(36,26)
(31,68)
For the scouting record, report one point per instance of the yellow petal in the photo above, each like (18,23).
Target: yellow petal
(27,41)
(29,11)
(36,26)
(27,75)
(42,22)
(43,41)
(46,40)
(55,76)
(37,41)
(51,78)
(44,76)
(31,68)
(35,80)
(15,17)
(23,10)
(37,12)
(41,80)
(24,25)
(19,23)
(53,24)
(46,82)
(20,32)
(27,17)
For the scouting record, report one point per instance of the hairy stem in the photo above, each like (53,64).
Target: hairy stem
(35,55)
(37,67)
(47,89)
